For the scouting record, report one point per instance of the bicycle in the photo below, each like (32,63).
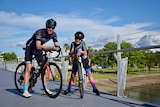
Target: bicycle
(54,83)
(81,80)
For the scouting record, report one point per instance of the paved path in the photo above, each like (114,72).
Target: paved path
(9,97)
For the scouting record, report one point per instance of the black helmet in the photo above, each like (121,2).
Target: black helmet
(79,35)
(50,23)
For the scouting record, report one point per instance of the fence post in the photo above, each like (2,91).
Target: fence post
(118,64)
(121,70)
(64,67)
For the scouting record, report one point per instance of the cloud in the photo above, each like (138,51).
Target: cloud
(21,44)
(23,20)
(148,40)
(112,19)
(18,28)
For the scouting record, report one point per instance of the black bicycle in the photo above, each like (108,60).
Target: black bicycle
(48,70)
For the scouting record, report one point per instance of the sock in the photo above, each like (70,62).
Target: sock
(93,84)
(70,85)
(25,87)
(45,86)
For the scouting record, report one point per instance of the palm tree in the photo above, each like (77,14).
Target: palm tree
(66,47)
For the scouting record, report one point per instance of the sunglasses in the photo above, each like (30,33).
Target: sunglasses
(77,38)
(51,27)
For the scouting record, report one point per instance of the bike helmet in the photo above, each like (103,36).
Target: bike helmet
(50,23)
(79,35)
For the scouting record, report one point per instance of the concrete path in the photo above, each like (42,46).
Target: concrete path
(9,97)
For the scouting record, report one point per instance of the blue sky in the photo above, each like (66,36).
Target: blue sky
(100,20)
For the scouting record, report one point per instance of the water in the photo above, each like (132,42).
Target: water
(149,94)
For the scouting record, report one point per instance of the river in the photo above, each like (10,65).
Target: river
(146,93)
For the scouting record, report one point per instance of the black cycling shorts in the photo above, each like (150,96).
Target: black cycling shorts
(37,53)
(85,65)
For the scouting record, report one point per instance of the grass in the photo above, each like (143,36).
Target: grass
(105,73)
(111,73)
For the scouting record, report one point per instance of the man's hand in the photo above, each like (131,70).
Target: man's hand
(58,49)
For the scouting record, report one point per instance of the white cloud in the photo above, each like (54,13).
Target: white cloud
(112,19)
(24,20)
(148,40)
(19,28)
(21,44)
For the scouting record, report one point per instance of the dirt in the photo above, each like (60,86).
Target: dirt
(110,85)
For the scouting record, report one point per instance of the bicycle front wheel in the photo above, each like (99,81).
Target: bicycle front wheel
(80,82)
(52,80)
(19,77)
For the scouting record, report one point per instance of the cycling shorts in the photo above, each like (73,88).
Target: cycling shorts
(29,55)
(85,63)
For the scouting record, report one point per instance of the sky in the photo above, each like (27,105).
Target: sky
(136,21)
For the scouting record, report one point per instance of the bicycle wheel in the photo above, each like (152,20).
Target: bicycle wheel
(19,77)
(80,81)
(53,84)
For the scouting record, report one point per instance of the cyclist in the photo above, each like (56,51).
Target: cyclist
(35,45)
(79,46)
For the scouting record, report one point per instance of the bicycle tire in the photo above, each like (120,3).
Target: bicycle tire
(80,81)
(56,81)
(19,77)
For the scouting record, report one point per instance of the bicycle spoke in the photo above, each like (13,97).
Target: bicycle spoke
(53,85)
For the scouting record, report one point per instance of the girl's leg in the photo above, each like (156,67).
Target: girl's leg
(92,82)
(73,74)
(71,81)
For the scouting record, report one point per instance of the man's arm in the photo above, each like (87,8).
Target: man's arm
(56,44)
(40,47)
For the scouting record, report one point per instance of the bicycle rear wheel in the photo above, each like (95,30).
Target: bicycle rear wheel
(80,82)
(19,77)
(53,81)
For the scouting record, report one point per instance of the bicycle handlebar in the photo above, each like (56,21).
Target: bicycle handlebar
(59,52)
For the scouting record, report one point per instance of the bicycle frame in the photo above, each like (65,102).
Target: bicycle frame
(35,75)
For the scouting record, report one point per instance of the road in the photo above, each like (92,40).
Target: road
(9,97)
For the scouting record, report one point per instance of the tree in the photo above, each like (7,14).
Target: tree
(152,59)
(110,56)
(9,56)
(135,57)
(66,47)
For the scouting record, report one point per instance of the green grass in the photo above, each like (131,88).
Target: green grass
(105,73)
(111,73)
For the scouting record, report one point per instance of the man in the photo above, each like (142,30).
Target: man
(35,45)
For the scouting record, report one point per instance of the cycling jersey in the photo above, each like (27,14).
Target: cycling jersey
(80,47)
(77,47)
(44,37)
(41,35)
